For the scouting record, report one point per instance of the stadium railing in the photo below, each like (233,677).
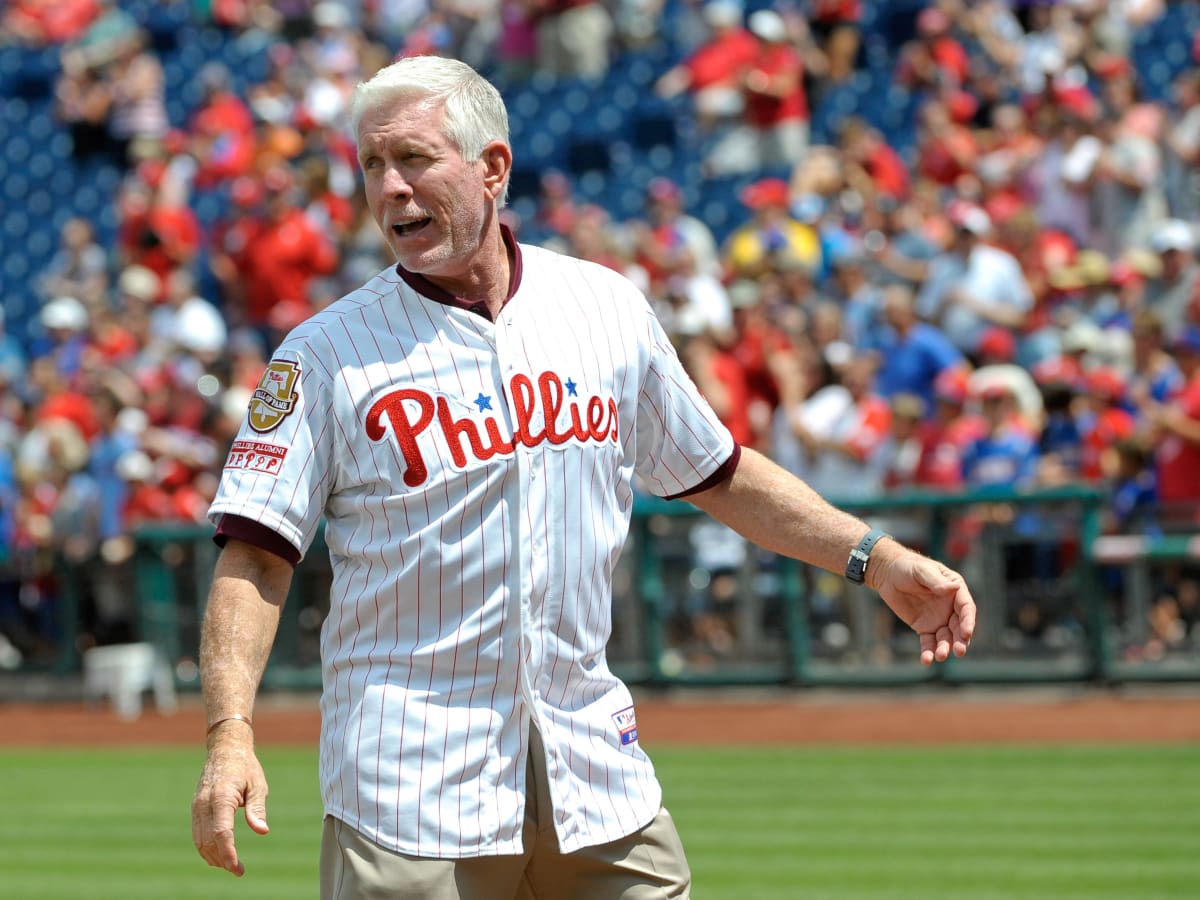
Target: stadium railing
(695,605)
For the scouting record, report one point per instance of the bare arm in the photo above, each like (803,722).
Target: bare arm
(249,589)
(779,512)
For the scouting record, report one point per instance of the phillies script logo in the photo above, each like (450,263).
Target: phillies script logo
(410,412)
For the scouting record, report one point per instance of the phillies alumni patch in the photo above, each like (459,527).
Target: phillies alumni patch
(256,456)
(275,397)
(626,723)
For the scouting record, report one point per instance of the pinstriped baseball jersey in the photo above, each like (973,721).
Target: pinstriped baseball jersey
(476,481)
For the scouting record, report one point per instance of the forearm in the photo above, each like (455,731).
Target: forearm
(776,510)
(248,592)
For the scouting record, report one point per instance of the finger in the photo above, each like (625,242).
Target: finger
(222,832)
(256,808)
(941,651)
(959,647)
(964,609)
(927,644)
(202,828)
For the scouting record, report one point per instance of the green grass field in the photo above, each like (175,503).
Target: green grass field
(962,822)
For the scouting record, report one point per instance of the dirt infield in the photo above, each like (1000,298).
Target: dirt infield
(1026,717)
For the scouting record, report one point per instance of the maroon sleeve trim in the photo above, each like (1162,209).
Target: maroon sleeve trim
(258,535)
(724,472)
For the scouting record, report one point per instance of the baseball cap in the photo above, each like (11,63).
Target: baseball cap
(1106,382)
(722,12)
(766,192)
(1058,370)
(768,25)
(1188,340)
(65,313)
(139,282)
(969,217)
(1173,234)
(998,344)
(663,188)
(951,385)
(994,390)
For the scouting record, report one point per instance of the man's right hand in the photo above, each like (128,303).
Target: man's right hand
(232,777)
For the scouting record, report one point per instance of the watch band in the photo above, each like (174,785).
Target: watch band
(856,565)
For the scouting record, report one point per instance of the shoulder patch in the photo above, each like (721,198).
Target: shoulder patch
(275,397)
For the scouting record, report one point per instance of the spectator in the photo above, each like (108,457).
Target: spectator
(80,266)
(973,285)
(1182,146)
(1105,423)
(836,28)
(138,112)
(771,235)
(1175,431)
(283,256)
(37,23)
(670,240)
(1129,197)
(573,37)
(1172,292)
(773,133)
(712,73)
(82,102)
(913,354)
(221,130)
(861,300)
(1004,455)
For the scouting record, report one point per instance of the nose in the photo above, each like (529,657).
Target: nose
(395,185)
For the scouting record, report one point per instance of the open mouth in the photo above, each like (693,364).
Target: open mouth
(407,229)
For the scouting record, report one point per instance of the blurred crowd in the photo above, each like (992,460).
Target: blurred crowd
(1010,299)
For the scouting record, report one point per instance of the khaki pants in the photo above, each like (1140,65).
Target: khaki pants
(647,865)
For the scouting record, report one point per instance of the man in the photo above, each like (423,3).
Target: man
(1175,431)
(974,285)
(469,425)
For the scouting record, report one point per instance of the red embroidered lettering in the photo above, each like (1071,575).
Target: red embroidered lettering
(593,419)
(405,430)
(525,401)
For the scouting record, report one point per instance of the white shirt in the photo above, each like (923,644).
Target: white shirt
(471,567)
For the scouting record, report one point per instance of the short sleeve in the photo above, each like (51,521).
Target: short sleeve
(680,441)
(279,467)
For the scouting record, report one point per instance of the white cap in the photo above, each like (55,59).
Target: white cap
(199,327)
(140,282)
(328,14)
(1173,234)
(768,25)
(722,13)
(66,313)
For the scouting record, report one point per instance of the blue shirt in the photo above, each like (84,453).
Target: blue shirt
(910,364)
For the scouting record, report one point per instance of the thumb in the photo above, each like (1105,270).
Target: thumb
(256,809)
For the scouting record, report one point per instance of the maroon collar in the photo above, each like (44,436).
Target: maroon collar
(427,288)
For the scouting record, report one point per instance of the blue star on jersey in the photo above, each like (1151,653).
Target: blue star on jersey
(571,387)
(483,402)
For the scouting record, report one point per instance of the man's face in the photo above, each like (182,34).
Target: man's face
(431,204)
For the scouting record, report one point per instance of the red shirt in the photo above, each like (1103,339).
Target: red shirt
(281,260)
(1178,459)
(1110,426)
(888,171)
(762,110)
(722,59)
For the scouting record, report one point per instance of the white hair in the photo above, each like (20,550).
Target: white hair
(475,111)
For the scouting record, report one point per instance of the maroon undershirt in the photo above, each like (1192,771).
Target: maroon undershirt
(255,533)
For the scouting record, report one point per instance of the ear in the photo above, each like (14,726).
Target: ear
(497,166)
